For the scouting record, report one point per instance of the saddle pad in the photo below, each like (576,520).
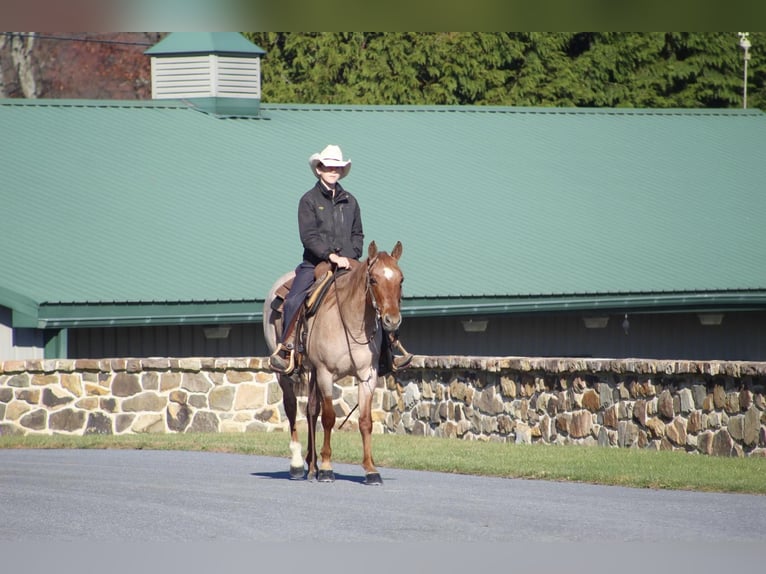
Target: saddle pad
(318,292)
(280,294)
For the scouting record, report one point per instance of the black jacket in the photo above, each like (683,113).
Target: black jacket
(329,225)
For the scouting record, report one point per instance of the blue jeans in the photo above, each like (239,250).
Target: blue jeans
(304,279)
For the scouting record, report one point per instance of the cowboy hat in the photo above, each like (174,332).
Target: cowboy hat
(331,156)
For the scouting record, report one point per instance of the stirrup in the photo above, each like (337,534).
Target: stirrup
(280,363)
(403,361)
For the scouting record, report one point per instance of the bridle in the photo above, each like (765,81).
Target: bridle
(369,291)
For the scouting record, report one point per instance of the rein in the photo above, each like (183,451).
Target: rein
(367,289)
(349,337)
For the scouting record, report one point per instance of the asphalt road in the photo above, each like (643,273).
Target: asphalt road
(159,496)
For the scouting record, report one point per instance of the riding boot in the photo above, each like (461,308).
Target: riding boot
(399,361)
(282,360)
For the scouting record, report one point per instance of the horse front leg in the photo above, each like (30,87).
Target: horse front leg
(312,413)
(366,390)
(290,403)
(326,473)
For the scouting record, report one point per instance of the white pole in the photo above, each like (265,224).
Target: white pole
(745,45)
(744,97)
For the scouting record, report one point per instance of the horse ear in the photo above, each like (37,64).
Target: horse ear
(397,252)
(372,250)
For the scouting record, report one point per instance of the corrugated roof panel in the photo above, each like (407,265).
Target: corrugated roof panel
(204,43)
(108,201)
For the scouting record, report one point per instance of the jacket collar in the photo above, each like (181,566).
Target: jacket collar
(340,193)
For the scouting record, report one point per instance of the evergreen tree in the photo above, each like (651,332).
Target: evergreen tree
(585,69)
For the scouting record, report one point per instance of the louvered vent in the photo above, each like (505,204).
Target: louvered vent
(215,72)
(205,77)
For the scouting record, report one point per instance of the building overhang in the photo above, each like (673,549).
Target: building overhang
(27,313)
(65,316)
(687,302)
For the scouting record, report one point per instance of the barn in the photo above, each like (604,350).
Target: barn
(156,228)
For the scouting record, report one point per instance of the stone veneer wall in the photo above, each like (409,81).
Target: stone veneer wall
(711,407)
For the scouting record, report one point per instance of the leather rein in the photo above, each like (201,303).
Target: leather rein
(368,290)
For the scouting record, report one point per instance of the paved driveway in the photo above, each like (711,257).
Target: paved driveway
(159,496)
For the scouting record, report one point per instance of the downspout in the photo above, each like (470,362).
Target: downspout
(56,343)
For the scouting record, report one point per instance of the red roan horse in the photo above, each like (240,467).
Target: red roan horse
(343,339)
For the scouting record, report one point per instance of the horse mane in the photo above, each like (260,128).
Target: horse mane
(356,273)
(347,279)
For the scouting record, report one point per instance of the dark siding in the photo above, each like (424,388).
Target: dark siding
(741,336)
(170,341)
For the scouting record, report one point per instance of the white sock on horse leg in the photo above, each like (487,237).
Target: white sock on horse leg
(296,460)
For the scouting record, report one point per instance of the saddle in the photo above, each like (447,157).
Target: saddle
(323,278)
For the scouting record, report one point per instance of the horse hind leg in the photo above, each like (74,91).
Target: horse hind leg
(290,402)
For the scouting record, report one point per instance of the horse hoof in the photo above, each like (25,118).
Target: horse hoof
(373,478)
(326,476)
(296,473)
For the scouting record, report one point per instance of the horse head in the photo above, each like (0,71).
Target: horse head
(385,283)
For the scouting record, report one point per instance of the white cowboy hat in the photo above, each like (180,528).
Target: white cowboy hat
(331,156)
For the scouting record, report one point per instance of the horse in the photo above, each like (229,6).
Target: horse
(342,338)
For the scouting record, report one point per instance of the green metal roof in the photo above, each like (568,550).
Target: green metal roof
(154,212)
(188,43)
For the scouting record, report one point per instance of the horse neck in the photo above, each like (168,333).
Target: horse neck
(353,296)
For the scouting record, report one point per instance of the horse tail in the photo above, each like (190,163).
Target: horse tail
(272,317)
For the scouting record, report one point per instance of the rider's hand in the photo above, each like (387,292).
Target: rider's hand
(338,261)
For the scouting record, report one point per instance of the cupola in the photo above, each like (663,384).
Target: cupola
(218,72)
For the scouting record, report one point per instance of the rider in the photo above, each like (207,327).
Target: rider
(330,226)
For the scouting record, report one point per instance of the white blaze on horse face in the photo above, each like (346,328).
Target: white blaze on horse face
(388,273)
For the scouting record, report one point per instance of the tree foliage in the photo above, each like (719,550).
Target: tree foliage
(89,65)
(581,69)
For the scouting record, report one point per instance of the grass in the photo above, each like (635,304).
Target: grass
(596,465)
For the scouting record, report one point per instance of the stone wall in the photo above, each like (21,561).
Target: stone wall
(119,396)
(712,407)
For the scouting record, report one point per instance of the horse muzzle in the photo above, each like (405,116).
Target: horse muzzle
(391,322)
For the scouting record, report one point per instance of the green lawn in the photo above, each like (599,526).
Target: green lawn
(598,465)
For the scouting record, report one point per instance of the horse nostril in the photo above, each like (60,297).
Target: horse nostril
(391,323)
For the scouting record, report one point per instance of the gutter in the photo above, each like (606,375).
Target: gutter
(82,315)
(63,316)
(647,303)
